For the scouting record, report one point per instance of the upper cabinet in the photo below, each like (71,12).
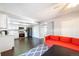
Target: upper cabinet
(3,21)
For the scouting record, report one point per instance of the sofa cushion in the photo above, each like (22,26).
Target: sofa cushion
(61,43)
(47,37)
(75,41)
(54,38)
(66,39)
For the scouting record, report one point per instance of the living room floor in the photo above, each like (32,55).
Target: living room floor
(36,51)
(24,45)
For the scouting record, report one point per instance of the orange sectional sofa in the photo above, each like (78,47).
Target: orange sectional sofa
(68,42)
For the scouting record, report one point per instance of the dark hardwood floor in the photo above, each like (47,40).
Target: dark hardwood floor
(22,45)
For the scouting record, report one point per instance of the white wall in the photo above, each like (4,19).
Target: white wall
(70,27)
(57,27)
(67,25)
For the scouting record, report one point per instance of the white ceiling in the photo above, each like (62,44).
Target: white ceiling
(25,10)
(32,12)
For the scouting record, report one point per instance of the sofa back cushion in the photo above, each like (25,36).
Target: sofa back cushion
(66,39)
(47,38)
(75,41)
(54,38)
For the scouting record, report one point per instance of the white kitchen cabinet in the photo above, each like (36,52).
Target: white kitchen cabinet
(3,21)
(6,43)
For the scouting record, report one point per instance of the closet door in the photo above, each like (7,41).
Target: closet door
(43,31)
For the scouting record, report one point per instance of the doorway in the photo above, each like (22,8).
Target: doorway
(29,32)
